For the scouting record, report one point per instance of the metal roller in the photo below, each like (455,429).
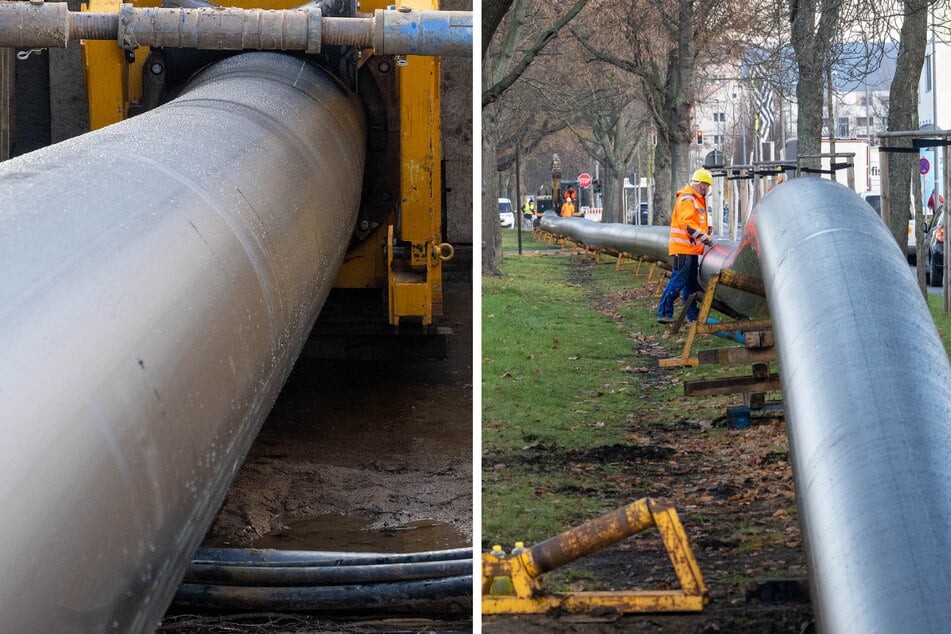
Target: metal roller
(160,277)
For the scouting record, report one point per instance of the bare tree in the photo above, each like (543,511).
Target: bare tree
(612,124)
(493,11)
(663,43)
(815,26)
(903,115)
(527,28)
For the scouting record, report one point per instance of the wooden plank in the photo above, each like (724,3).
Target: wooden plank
(731,385)
(735,355)
(742,325)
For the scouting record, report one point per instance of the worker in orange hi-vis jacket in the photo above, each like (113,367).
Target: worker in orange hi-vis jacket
(689,233)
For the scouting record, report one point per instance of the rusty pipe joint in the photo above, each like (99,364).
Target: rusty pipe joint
(589,537)
(220,28)
(388,32)
(28,25)
(408,32)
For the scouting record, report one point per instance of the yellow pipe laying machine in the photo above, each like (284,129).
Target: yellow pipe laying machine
(163,271)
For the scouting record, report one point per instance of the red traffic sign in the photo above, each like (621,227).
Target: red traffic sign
(584,180)
(923,166)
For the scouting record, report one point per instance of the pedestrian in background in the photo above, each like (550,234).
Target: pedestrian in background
(689,233)
(567,208)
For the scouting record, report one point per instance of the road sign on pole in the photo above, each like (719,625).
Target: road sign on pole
(584,180)
(923,166)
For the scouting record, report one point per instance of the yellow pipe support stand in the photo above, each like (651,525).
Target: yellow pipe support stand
(510,585)
(732,279)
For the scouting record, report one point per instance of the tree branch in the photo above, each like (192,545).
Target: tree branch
(493,93)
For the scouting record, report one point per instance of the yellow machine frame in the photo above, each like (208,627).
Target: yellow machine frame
(413,285)
(519,573)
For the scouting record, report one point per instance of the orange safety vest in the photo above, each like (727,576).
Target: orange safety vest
(690,209)
(567,209)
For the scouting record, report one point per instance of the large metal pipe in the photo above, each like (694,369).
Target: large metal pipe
(865,381)
(160,277)
(651,242)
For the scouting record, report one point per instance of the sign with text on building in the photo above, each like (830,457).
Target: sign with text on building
(584,180)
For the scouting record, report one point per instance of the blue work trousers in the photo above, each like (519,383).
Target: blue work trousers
(682,281)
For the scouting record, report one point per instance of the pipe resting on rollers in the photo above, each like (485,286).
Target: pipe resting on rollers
(160,277)
(865,382)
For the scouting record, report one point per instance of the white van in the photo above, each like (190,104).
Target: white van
(506,217)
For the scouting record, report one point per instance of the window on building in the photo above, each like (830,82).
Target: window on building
(717,139)
(842,128)
(863,101)
(719,116)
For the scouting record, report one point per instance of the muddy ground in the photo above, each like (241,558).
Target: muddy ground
(359,456)
(733,491)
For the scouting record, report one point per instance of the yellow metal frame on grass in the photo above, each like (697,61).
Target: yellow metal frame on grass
(519,573)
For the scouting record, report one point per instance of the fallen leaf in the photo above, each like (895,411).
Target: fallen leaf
(631,370)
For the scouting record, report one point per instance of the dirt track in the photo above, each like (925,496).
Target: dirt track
(732,489)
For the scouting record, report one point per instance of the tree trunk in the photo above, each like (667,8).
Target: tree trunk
(491,232)
(663,192)
(610,198)
(811,39)
(903,115)
(680,80)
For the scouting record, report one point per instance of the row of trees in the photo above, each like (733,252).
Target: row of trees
(623,77)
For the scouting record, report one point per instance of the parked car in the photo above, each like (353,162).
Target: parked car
(506,217)
(934,245)
(638,215)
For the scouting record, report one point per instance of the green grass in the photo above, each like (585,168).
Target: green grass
(941,319)
(560,378)
(510,241)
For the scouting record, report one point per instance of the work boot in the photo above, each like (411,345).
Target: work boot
(665,320)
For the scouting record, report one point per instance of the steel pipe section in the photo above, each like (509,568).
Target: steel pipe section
(652,242)
(865,381)
(647,240)
(202,25)
(160,277)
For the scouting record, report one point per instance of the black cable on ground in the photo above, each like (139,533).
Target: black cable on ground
(274,575)
(267,557)
(412,596)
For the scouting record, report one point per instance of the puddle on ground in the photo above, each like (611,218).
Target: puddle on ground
(356,534)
